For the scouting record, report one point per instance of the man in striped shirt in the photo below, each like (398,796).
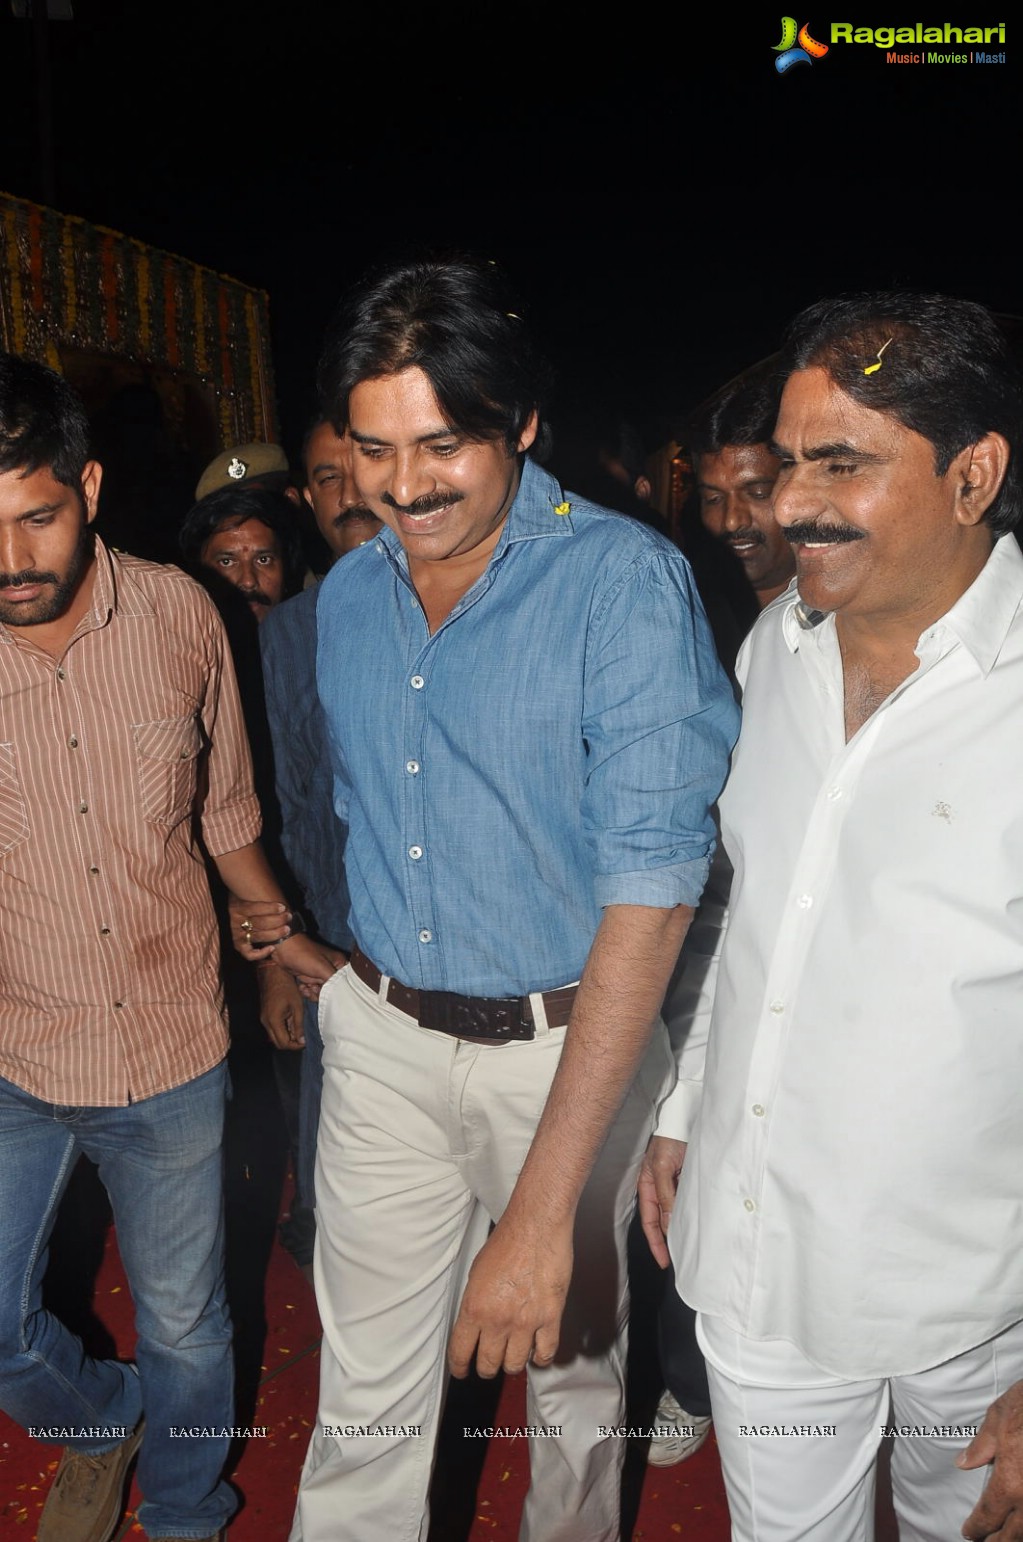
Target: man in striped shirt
(121,748)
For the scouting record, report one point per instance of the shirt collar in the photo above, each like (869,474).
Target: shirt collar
(979,619)
(113,592)
(532,514)
(535,511)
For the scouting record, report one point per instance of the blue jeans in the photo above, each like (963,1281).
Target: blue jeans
(161,1164)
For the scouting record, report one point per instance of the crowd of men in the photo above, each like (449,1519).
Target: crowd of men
(506,743)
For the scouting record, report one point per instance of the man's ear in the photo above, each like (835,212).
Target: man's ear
(92,476)
(979,472)
(529,432)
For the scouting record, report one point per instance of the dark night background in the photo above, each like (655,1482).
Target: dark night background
(663,198)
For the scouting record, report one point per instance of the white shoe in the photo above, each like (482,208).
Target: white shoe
(677,1434)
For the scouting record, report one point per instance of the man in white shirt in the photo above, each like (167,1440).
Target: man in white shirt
(850,1219)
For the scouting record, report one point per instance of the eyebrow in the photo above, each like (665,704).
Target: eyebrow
(837,451)
(716,487)
(325,465)
(436,433)
(43,508)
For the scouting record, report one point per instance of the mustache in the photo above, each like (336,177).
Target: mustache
(357,511)
(737,537)
(29,576)
(424,505)
(805,530)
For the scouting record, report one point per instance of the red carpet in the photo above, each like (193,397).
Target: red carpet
(685,1501)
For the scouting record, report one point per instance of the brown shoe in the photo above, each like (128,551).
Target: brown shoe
(85,1501)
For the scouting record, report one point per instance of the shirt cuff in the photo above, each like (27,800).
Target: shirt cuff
(676,1116)
(229,829)
(662,887)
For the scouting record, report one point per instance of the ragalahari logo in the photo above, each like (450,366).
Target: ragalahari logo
(796,47)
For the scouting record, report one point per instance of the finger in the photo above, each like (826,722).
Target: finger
(650,1217)
(276,1032)
(461,1347)
(982,1520)
(665,1187)
(979,1452)
(255,951)
(545,1343)
(267,935)
(656,1243)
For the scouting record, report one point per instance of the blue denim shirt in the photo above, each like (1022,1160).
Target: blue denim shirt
(553,748)
(311,835)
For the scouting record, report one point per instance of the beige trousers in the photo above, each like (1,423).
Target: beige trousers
(421,1140)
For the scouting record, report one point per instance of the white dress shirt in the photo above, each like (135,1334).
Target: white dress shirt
(855,1182)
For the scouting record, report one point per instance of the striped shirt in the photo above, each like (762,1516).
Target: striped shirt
(112,757)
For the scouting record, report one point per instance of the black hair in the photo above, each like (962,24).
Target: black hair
(456,322)
(42,421)
(316,422)
(946,373)
(229,507)
(742,412)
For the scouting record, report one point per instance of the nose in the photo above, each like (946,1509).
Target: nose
(410,477)
(13,555)
(248,579)
(735,516)
(795,496)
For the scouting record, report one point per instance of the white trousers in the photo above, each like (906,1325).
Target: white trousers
(421,1140)
(784,1486)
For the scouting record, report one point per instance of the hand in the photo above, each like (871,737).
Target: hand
(513,1301)
(310,962)
(656,1187)
(280,1006)
(257,925)
(998,1514)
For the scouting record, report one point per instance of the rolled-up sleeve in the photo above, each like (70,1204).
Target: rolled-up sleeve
(230,810)
(659,725)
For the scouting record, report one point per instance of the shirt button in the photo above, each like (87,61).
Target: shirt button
(94,869)
(417,682)
(118,1004)
(83,808)
(805,901)
(415,852)
(748,1204)
(834,792)
(777,1006)
(426,935)
(758,1109)
(72,742)
(412,767)
(415,604)
(104,931)
(60,674)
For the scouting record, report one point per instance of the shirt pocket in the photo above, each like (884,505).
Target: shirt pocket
(166,754)
(13,809)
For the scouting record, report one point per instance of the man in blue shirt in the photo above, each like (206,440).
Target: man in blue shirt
(528,726)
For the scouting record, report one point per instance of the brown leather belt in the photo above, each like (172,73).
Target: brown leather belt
(481,1019)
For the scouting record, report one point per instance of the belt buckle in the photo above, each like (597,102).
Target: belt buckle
(476,1017)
